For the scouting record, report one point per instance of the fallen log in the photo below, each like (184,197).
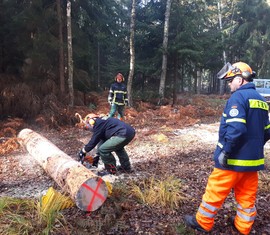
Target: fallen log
(85,188)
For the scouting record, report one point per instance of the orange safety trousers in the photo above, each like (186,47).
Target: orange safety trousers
(220,183)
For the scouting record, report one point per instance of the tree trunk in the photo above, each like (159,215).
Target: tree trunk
(70,59)
(199,81)
(164,58)
(132,53)
(98,65)
(222,83)
(61,50)
(86,189)
(175,78)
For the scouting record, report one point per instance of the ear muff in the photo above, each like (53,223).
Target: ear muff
(248,76)
(92,122)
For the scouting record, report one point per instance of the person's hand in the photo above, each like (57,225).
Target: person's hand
(82,155)
(86,127)
(222,159)
(110,102)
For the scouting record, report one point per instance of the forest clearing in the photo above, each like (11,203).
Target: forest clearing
(158,61)
(173,145)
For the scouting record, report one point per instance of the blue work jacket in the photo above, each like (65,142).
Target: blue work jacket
(118,94)
(244,129)
(104,129)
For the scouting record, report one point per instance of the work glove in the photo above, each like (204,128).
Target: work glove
(82,155)
(86,126)
(95,161)
(222,159)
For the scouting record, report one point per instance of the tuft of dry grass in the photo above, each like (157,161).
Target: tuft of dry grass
(164,193)
(22,216)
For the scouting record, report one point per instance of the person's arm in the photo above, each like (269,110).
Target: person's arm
(267,130)
(111,94)
(125,96)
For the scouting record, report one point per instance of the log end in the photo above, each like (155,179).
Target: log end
(92,194)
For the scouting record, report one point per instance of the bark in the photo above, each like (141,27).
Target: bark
(222,83)
(132,53)
(165,51)
(70,59)
(86,189)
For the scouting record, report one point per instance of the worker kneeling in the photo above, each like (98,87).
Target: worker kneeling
(110,135)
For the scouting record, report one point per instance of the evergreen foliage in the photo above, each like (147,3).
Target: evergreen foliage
(29,41)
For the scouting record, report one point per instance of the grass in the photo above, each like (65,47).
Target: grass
(23,216)
(165,193)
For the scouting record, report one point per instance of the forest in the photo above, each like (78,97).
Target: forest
(59,58)
(201,37)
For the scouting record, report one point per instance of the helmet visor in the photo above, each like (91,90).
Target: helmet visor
(223,72)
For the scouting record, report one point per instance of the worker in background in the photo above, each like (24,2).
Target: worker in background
(109,135)
(117,97)
(239,155)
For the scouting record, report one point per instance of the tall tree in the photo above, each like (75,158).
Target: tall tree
(222,83)
(70,59)
(165,52)
(132,53)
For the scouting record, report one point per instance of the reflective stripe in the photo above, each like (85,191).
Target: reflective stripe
(246,217)
(209,207)
(258,104)
(236,120)
(248,210)
(112,99)
(267,127)
(207,214)
(124,92)
(236,162)
(118,103)
(220,145)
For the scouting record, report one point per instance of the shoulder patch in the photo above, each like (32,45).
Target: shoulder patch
(234,107)
(234,112)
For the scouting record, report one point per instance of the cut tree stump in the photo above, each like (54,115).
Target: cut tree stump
(85,188)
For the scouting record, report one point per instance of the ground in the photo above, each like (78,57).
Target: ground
(169,142)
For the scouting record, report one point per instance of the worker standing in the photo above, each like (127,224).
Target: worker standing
(239,155)
(109,135)
(117,97)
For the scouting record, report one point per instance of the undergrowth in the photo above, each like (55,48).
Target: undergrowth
(23,216)
(164,193)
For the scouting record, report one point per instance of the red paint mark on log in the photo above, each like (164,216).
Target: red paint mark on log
(95,194)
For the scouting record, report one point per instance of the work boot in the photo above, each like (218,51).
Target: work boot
(127,170)
(191,221)
(231,219)
(110,169)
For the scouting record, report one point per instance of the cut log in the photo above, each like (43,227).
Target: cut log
(85,188)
